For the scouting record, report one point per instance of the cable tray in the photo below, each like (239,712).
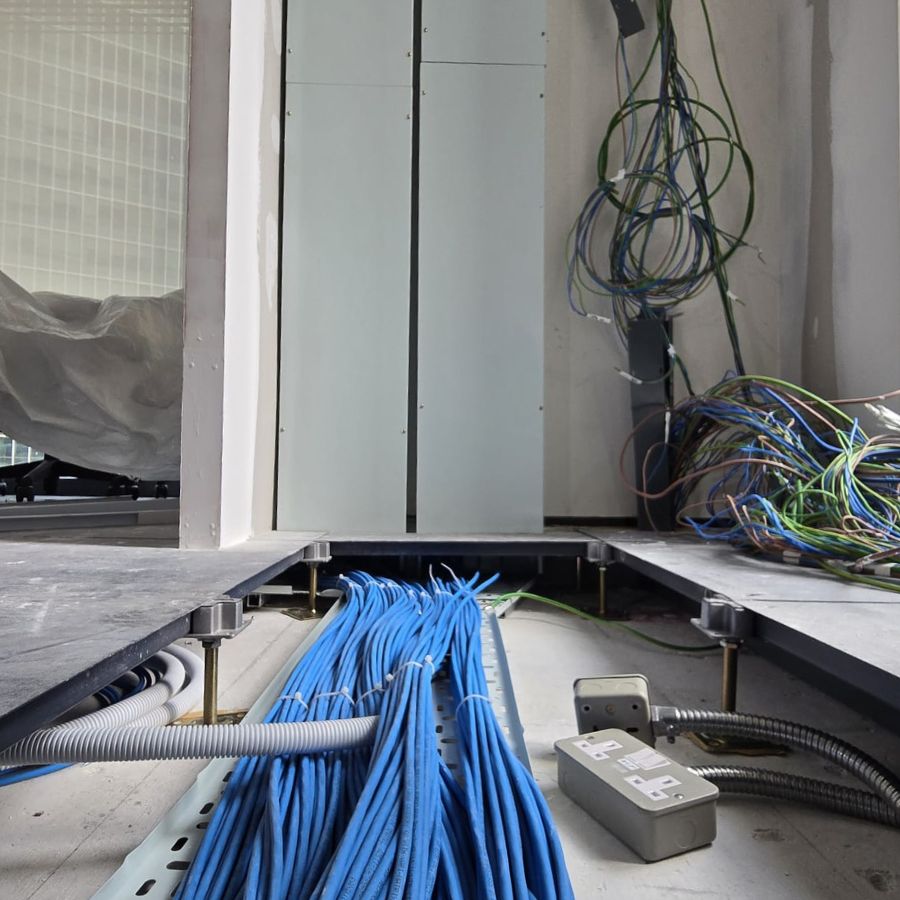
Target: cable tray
(155,867)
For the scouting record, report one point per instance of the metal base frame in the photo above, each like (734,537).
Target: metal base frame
(113,512)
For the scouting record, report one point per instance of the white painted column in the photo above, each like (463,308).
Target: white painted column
(230,356)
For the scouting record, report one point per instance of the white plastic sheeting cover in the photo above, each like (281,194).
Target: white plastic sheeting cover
(94,382)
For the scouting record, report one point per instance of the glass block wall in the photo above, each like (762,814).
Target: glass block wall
(93,131)
(93,149)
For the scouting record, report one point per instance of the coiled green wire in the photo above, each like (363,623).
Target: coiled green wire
(790,474)
(666,245)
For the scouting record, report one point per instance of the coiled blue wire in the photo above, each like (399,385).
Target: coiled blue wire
(390,821)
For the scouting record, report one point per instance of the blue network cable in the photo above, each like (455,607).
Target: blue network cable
(26,773)
(392,820)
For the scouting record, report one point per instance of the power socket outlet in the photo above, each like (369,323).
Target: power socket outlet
(614,701)
(654,805)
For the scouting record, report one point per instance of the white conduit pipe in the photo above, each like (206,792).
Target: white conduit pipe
(131,708)
(189,697)
(64,745)
(177,692)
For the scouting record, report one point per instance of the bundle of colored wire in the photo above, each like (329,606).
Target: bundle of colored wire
(390,820)
(789,473)
(678,153)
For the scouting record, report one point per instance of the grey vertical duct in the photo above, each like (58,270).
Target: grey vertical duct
(481,251)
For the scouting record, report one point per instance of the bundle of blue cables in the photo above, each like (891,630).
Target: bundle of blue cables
(391,820)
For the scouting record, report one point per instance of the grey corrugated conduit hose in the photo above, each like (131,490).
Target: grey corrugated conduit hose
(134,732)
(883,803)
(177,692)
(187,698)
(59,745)
(174,660)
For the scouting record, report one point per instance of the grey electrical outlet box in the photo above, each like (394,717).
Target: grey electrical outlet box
(652,804)
(614,701)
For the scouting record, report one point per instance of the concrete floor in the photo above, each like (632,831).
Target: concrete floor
(63,835)
(764,849)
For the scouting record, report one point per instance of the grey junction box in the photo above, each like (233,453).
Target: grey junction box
(654,805)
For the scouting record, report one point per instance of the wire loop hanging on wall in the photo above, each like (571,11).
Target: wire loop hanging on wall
(679,153)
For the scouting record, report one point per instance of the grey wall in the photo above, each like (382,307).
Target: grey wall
(866,197)
(815,86)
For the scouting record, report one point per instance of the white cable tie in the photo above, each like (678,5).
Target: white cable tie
(673,355)
(732,296)
(406,665)
(629,377)
(413,662)
(597,318)
(668,424)
(379,688)
(296,698)
(343,692)
(619,176)
(469,697)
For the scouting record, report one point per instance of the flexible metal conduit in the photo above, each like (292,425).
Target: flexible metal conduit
(670,721)
(783,786)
